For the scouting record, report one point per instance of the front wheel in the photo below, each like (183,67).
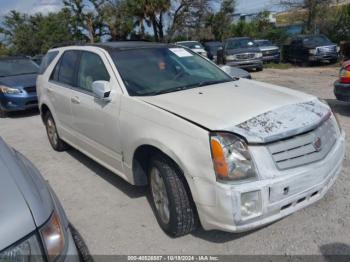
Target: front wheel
(54,139)
(170,200)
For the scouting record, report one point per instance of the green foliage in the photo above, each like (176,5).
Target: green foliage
(118,19)
(336,24)
(3,50)
(35,34)
(259,28)
(221,21)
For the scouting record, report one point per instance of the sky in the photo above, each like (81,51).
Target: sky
(45,6)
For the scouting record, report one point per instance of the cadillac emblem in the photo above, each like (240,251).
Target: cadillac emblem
(317,144)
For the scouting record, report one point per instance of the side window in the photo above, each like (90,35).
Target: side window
(91,68)
(67,67)
(54,74)
(47,61)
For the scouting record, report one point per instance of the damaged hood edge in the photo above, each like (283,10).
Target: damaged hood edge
(273,125)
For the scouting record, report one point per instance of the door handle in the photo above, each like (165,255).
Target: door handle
(75,100)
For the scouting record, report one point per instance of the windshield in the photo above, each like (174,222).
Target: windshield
(12,67)
(240,43)
(263,43)
(316,40)
(154,71)
(191,45)
(213,46)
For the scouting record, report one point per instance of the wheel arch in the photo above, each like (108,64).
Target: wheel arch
(43,111)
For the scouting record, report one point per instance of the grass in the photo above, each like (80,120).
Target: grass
(278,66)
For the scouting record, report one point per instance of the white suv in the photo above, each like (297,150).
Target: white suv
(234,154)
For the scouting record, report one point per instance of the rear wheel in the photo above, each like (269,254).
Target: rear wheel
(51,129)
(171,202)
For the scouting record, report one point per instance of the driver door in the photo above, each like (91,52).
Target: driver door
(96,121)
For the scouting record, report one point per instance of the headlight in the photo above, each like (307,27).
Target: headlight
(26,251)
(9,90)
(231,57)
(53,237)
(258,55)
(231,157)
(313,51)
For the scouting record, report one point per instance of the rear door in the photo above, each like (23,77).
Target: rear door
(96,121)
(61,81)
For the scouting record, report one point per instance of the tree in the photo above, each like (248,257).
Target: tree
(35,34)
(85,19)
(221,21)
(155,10)
(189,17)
(313,8)
(118,19)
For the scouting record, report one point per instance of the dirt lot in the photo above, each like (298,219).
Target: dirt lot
(115,218)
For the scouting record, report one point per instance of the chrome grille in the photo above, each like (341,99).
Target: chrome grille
(327,49)
(270,52)
(304,149)
(245,56)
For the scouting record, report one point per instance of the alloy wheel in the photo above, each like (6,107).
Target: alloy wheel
(160,196)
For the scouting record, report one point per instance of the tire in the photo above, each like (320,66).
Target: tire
(83,250)
(51,130)
(181,217)
(3,113)
(259,69)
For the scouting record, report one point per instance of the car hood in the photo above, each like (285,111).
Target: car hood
(19,80)
(242,50)
(315,45)
(268,48)
(198,50)
(25,202)
(259,112)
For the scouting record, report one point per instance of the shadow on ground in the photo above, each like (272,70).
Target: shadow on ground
(23,114)
(336,252)
(128,189)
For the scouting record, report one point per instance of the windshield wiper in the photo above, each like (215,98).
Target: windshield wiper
(170,90)
(181,88)
(212,82)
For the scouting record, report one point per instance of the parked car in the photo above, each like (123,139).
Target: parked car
(235,153)
(37,59)
(342,86)
(17,84)
(33,224)
(270,52)
(241,52)
(235,72)
(309,49)
(212,48)
(195,46)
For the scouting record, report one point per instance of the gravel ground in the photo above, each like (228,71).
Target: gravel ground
(115,217)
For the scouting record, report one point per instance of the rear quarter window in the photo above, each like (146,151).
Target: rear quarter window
(47,59)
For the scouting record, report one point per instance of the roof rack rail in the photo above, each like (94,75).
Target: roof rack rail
(79,43)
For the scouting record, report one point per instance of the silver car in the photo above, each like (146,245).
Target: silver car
(33,225)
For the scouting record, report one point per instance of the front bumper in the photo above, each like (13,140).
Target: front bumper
(323,57)
(246,64)
(272,58)
(308,185)
(342,91)
(19,102)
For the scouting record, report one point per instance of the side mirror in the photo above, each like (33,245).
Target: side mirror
(101,90)
(220,48)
